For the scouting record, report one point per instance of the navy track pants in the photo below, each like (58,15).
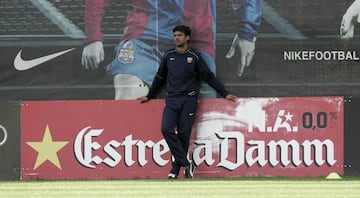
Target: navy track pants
(178,118)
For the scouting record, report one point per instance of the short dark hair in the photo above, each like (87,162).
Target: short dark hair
(184,29)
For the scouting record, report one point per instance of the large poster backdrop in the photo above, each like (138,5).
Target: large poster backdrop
(298,50)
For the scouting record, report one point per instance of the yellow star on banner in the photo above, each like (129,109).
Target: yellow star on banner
(47,149)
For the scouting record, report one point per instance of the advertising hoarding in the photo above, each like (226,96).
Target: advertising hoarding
(10,141)
(104,139)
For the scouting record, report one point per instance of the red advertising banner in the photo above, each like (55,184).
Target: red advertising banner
(296,137)
(105,139)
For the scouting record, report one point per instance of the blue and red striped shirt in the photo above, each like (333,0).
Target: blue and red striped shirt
(154,20)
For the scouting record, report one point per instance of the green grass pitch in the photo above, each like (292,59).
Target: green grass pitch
(239,187)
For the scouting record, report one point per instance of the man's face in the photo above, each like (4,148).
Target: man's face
(180,39)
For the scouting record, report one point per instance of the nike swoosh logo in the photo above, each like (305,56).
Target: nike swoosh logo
(21,64)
